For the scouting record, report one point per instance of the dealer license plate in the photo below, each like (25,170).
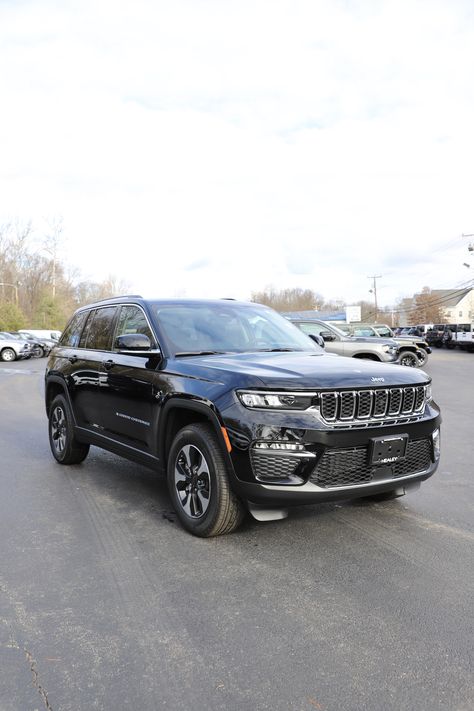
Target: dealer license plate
(387,450)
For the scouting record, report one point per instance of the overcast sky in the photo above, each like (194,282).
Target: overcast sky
(213,147)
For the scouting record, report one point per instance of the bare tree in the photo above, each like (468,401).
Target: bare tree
(288,299)
(426,308)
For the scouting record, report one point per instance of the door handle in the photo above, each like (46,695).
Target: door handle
(108,364)
(72,359)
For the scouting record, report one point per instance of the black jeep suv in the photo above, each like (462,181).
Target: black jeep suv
(237,407)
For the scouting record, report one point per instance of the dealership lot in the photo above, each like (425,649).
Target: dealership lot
(107,603)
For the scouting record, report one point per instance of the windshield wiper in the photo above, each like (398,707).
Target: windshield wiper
(278,350)
(184,354)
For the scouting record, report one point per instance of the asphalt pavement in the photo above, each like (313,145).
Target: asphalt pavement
(107,603)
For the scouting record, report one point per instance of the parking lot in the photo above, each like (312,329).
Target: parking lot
(107,603)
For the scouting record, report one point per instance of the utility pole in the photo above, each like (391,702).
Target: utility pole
(374,292)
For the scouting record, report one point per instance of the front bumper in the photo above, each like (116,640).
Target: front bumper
(331,463)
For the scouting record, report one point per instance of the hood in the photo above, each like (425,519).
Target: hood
(372,339)
(296,370)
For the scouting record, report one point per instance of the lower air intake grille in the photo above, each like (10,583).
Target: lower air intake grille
(268,467)
(350,467)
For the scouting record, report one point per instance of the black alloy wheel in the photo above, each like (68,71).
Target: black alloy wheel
(409,359)
(65,447)
(198,483)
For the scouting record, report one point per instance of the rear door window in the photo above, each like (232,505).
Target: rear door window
(72,333)
(98,335)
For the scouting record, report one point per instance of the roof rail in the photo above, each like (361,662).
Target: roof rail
(114,298)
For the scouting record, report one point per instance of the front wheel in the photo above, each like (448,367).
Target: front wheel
(8,355)
(65,447)
(198,483)
(409,359)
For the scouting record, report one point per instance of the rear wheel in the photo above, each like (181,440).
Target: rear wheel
(198,483)
(65,447)
(409,359)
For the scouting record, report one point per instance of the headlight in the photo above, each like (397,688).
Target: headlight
(428,395)
(389,349)
(275,400)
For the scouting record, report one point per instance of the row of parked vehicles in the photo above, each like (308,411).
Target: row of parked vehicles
(23,344)
(452,335)
(368,341)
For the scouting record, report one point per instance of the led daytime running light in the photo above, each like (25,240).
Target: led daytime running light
(275,400)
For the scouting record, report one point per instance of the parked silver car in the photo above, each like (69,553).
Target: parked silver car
(382,349)
(13,349)
(413,350)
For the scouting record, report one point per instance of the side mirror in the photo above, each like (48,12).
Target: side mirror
(328,336)
(317,339)
(133,342)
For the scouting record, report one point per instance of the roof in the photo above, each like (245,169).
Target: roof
(450,297)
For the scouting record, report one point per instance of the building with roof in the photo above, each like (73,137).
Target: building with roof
(457,304)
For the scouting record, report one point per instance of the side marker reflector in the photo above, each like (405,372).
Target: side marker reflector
(226,439)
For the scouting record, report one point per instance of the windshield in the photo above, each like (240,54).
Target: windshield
(197,328)
(338,331)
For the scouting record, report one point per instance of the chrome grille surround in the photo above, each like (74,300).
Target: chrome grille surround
(358,407)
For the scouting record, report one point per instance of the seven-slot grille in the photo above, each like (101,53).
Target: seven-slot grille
(359,405)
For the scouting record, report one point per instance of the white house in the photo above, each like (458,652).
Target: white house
(458,305)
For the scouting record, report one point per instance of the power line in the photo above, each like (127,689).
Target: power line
(437,301)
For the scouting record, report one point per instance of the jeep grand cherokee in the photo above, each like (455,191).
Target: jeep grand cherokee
(237,407)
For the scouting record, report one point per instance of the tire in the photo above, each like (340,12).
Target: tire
(422,358)
(198,483)
(408,359)
(64,446)
(37,352)
(8,355)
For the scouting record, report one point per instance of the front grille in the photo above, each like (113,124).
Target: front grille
(350,466)
(271,467)
(379,403)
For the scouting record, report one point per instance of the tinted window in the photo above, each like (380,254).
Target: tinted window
(383,331)
(72,333)
(363,331)
(99,332)
(133,320)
